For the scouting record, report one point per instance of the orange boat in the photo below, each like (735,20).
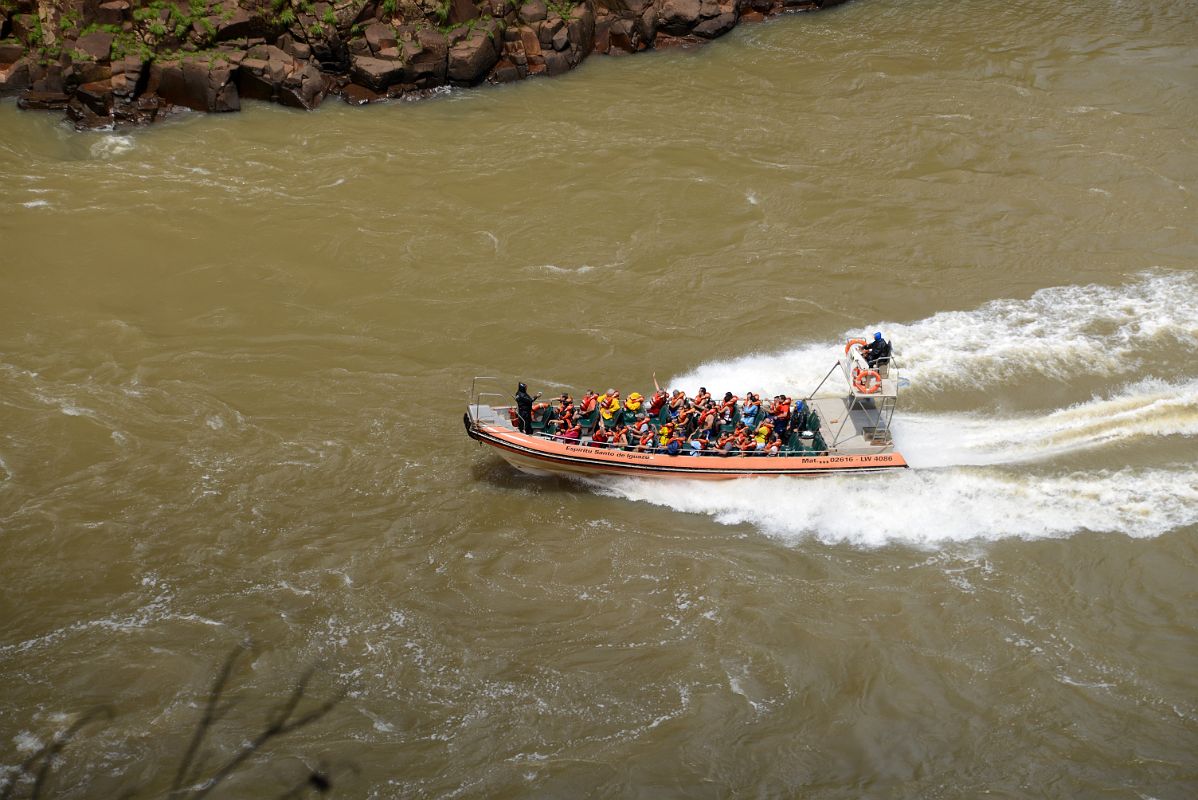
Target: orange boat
(830,434)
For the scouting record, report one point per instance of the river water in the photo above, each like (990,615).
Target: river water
(234,352)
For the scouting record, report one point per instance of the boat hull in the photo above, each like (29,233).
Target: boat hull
(539,455)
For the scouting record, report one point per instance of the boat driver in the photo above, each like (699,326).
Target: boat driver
(877,352)
(524,408)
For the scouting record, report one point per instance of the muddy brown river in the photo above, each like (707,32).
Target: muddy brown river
(234,352)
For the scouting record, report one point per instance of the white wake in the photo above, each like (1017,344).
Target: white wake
(983,475)
(931,507)
(1113,330)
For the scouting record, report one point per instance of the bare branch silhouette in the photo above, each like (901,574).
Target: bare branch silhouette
(281,725)
(283,720)
(48,752)
(212,715)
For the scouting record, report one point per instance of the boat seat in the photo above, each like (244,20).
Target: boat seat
(541,420)
(587,421)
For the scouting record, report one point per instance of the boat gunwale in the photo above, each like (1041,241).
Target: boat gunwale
(622,461)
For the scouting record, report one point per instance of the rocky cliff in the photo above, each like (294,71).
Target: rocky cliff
(118,62)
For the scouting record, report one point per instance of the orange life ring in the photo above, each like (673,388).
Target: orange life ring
(862,383)
(852,342)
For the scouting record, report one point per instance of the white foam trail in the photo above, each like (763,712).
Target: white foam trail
(997,342)
(112,145)
(1150,408)
(933,507)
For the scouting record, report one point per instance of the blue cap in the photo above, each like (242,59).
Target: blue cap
(877,336)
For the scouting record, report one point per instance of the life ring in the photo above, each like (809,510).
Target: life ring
(852,342)
(863,384)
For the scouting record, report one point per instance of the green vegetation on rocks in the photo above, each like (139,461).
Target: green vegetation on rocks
(141,58)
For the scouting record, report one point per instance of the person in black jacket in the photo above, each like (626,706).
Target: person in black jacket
(524,408)
(877,352)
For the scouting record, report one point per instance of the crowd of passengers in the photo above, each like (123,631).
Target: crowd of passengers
(699,425)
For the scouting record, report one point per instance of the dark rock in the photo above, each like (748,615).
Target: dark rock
(304,88)
(253,80)
(533,11)
(624,8)
(113,13)
(531,42)
(461,11)
(709,9)
(646,26)
(431,65)
(470,60)
(97,96)
(10,51)
(379,37)
(85,118)
(357,47)
(561,40)
(196,84)
(77,72)
(582,28)
(624,36)
(14,77)
(267,52)
(129,77)
(550,28)
(602,35)
(24,26)
(97,45)
(716,26)
(376,73)
(677,17)
(45,78)
(43,101)
(357,95)
(240,25)
(556,63)
(505,72)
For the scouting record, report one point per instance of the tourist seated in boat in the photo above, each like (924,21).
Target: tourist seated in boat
(635,402)
(741,441)
(727,408)
(588,403)
(708,422)
(657,402)
(677,403)
(702,397)
(619,437)
(565,404)
(569,431)
(751,408)
(647,441)
(675,443)
(641,426)
(609,406)
(762,435)
(665,432)
(600,437)
(780,414)
(877,352)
